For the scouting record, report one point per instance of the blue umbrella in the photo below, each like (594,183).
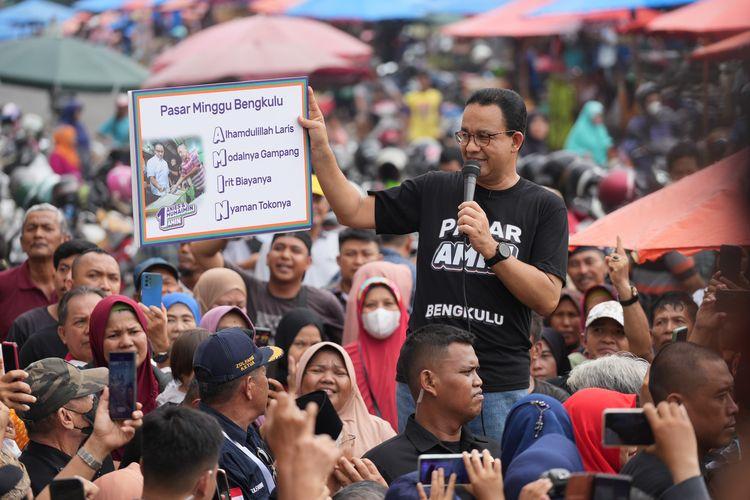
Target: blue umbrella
(464,7)
(363,10)
(99,5)
(585,6)
(35,12)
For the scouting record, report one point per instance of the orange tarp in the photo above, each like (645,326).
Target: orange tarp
(700,212)
(735,47)
(705,17)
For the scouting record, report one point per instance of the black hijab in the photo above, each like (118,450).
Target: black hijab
(289,326)
(556,344)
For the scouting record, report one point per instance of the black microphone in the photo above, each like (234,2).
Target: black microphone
(470,171)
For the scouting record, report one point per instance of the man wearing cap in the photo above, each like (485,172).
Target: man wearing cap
(231,374)
(170,276)
(60,419)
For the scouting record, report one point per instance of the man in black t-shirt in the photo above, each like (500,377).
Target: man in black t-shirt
(515,259)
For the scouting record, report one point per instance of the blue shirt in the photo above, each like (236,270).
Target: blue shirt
(242,471)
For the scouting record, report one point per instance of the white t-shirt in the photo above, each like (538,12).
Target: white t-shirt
(158,168)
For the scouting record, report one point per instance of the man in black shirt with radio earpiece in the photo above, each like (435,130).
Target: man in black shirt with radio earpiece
(515,259)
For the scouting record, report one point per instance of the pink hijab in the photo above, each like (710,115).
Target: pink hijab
(368,430)
(399,274)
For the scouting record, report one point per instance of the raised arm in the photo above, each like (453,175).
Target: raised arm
(636,322)
(351,208)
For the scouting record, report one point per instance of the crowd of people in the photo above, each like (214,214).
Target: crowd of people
(407,321)
(494,342)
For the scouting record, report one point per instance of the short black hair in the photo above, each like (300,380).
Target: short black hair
(303,236)
(363,490)
(681,150)
(69,249)
(509,102)
(426,343)
(675,300)
(364,235)
(450,154)
(179,444)
(679,367)
(95,249)
(62,309)
(213,393)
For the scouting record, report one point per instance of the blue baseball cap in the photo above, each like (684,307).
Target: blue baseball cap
(149,264)
(230,354)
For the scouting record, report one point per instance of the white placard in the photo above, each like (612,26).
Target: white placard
(215,161)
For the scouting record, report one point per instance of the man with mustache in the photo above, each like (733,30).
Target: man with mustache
(32,284)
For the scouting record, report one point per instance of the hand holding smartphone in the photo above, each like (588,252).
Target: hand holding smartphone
(122,385)
(450,463)
(10,356)
(67,489)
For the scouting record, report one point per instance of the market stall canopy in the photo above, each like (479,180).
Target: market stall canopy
(513,20)
(67,64)
(13,32)
(362,10)
(273,6)
(99,5)
(261,47)
(463,7)
(39,12)
(700,212)
(586,6)
(705,17)
(734,47)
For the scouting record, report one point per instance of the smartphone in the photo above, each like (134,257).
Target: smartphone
(262,336)
(10,356)
(122,386)
(450,463)
(679,334)
(151,284)
(626,427)
(222,486)
(727,301)
(730,262)
(66,489)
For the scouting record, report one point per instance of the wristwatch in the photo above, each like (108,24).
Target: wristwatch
(632,300)
(161,357)
(89,459)
(501,253)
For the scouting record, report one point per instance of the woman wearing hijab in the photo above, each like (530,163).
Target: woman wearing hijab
(550,358)
(589,136)
(64,159)
(220,287)
(585,408)
(221,317)
(118,324)
(183,313)
(552,451)
(327,366)
(532,417)
(397,273)
(383,321)
(298,329)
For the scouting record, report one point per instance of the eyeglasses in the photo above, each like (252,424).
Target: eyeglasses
(481,139)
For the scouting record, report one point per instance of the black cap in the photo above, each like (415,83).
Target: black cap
(230,354)
(150,264)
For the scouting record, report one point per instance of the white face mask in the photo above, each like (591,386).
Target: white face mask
(653,108)
(381,323)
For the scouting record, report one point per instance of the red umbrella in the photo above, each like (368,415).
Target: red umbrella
(260,47)
(734,47)
(700,212)
(510,20)
(705,17)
